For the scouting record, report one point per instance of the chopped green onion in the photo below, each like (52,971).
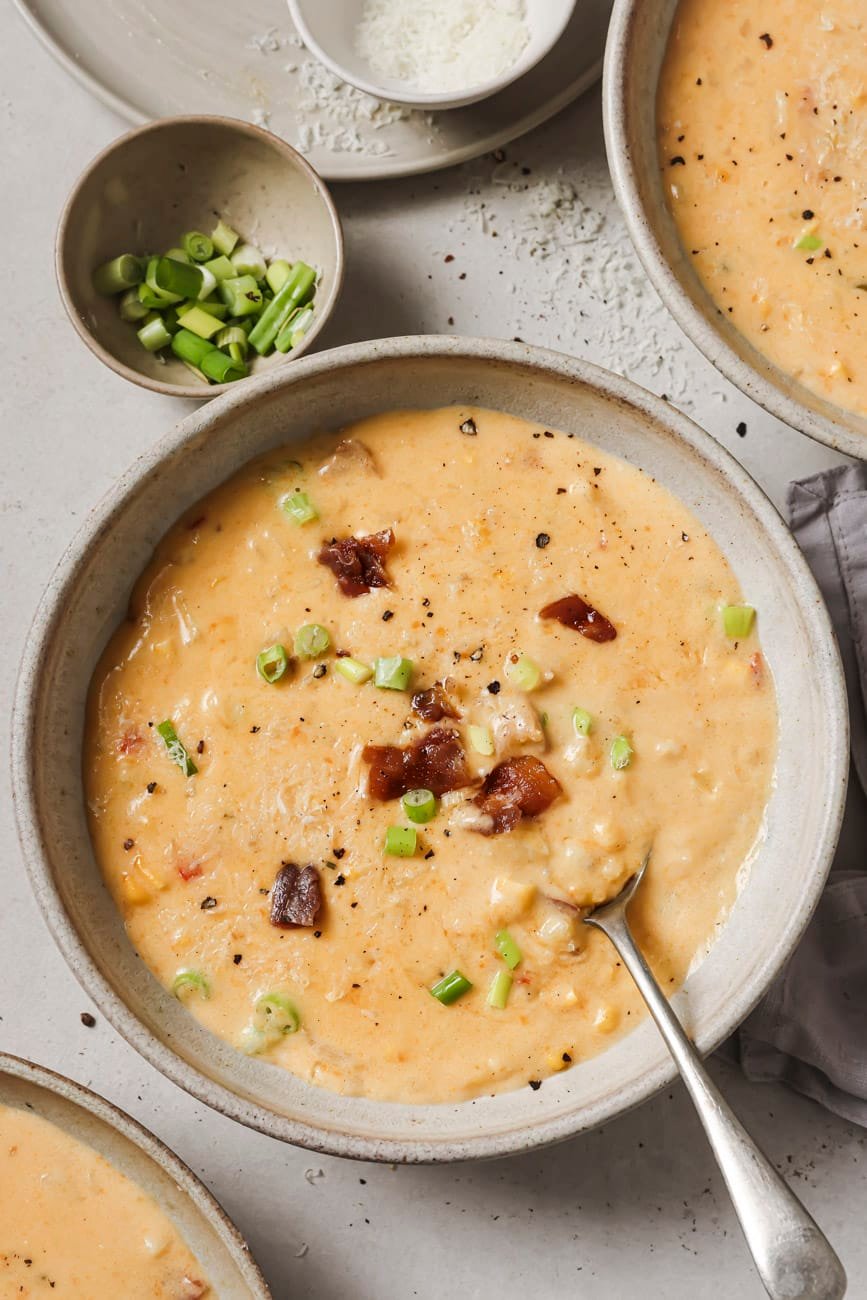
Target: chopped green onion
(481,740)
(200,322)
(400,841)
(501,987)
(299,507)
(278,273)
(451,987)
(198,246)
(582,721)
(189,347)
(177,254)
(221,268)
(247,260)
(224,238)
(181,278)
(508,949)
(293,331)
(392,673)
(621,753)
(153,335)
(209,283)
(808,242)
(420,806)
(311,641)
(117,275)
(191,981)
(131,307)
(170,319)
(252,1041)
(155,299)
(274,1015)
(353,670)
(231,337)
(210,305)
(296,291)
(241,295)
(738,621)
(221,368)
(177,751)
(522,671)
(272,663)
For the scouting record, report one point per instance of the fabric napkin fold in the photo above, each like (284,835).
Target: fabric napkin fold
(810,1030)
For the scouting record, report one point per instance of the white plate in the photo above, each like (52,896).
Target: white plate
(157,58)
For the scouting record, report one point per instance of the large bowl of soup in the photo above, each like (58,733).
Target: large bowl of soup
(736,144)
(365,684)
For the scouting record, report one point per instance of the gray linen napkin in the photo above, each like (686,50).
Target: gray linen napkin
(810,1031)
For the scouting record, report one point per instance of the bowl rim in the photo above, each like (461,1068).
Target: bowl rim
(153,1148)
(29,687)
(290,155)
(436,99)
(617,77)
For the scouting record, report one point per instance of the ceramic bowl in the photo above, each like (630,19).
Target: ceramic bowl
(178,174)
(135,1152)
(328,27)
(87,598)
(634,53)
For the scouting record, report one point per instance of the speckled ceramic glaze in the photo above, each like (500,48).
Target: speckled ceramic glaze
(148,187)
(636,45)
(130,1148)
(87,598)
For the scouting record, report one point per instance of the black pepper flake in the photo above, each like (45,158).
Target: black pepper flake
(494,688)
(535,1084)
(238,958)
(200,748)
(320,670)
(340,880)
(542,540)
(808,214)
(537,435)
(128,844)
(338,853)
(547,434)
(255,730)
(207,904)
(477,654)
(566,1057)
(317,934)
(449,257)
(387,615)
(469,427)
(561,492)
(355,904)
(429,854)
(88,1020)
(767,40)
(741,429)
(151,786)
(684,537)
(677,161)
(426,602)
(597,470)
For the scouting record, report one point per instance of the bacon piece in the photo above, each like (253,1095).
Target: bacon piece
(358,563)
(516,788)
(572,611)
(434,704)
(436,761)
(296,897)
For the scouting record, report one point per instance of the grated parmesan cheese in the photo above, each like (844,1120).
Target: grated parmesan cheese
(442,45)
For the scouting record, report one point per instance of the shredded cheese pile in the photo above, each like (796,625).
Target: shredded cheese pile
(442,45)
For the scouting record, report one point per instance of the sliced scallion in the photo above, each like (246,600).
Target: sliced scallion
(233,337)
(420,806)
(311,641)
(508,949)
(481,740)
(272,663)
(353,670)
(274,1015)
(153,334)
(224,238)
(247,260)
(221,268)
(178,254)
(582,721)
(181,278)
(451,987)
(297,289)
(191,981)
(621,753)
(299,507)
(294,330)
(808,242)
(209,282)
(522,671)
(198,246)
(131,307)
(210,305)
(738,621)
(163,297)
(221,368)
(392,673)
(501,987)
(200,322)
(120,273)
(176,749)
(189,347)
(278,273)
(241,295)
(400,841)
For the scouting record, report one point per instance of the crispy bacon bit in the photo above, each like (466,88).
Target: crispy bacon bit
(436,761)
(350,453)
(358,563)
(296,898)
(434,704)
(757,668)
(129,742)
(516,788)
(574,612)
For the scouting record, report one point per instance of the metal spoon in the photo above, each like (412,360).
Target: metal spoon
(793,1256)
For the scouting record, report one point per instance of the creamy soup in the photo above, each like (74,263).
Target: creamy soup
(74,1228)
(283,889)
(762,125)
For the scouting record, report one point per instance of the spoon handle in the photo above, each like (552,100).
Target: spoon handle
(794,1258)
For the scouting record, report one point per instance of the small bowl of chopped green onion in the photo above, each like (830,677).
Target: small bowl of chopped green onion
(196,251)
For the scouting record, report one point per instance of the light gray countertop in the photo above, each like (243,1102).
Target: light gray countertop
(634,1210)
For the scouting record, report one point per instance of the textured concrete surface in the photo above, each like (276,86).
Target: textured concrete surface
(529,245)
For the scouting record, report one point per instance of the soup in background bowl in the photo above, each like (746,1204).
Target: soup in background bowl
(656,464)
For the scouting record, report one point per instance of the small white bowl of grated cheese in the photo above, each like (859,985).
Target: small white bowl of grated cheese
(436,54)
